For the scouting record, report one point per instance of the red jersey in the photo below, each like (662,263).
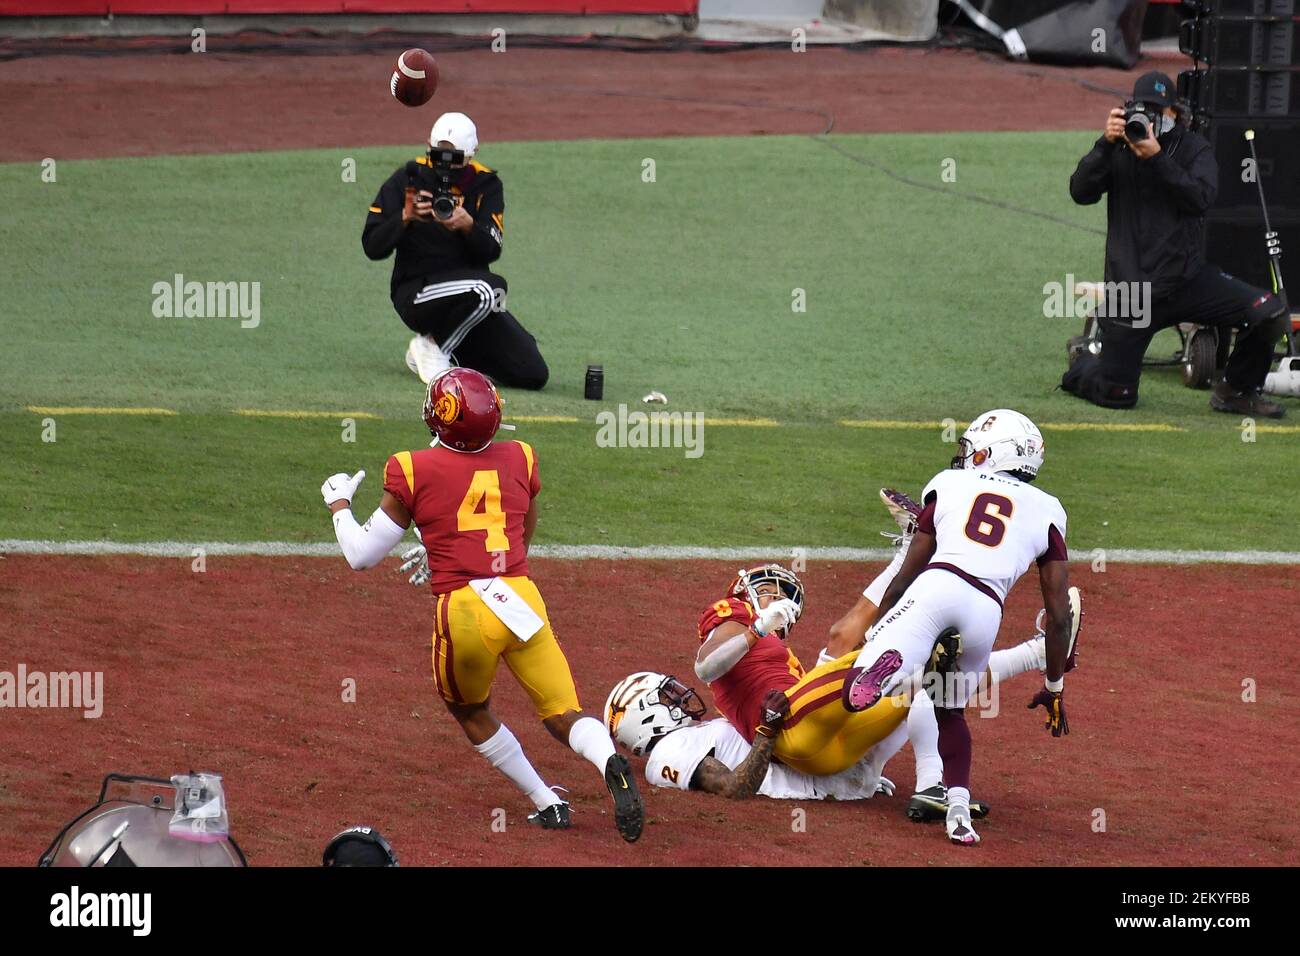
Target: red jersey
(768,665)
(469,508)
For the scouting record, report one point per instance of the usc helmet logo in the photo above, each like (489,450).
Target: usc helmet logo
(446,409)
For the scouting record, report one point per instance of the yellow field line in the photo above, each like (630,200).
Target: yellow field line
(1110,427)
(869,423)
(886,423)
(1046,426)
(91,410)
(267,413)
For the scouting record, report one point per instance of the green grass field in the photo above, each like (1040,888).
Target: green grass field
(921,306)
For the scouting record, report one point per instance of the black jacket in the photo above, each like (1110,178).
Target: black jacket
(1154,207)
(425,249)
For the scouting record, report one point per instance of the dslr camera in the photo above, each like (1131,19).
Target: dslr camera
(437,180)
(1140,119)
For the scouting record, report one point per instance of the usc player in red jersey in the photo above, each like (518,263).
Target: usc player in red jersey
(474,504)
(743,655)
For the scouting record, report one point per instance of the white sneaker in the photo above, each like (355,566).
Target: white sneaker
(959,829)
(426,359)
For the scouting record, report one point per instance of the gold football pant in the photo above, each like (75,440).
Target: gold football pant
(820,737)
(469,640)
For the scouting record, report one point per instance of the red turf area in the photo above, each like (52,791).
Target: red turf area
(239,670)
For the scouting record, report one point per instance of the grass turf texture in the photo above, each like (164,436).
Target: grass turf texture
(226,478)
(920,306)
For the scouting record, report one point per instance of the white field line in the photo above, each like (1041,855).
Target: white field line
(291,549)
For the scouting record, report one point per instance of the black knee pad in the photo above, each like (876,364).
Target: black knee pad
(1088,380)
(1267,310)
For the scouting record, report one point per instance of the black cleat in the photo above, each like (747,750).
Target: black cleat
(629,812)
(943,658)
(929,804)
(554,817)
(932,804)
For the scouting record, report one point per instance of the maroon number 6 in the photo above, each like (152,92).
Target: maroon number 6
(988,519)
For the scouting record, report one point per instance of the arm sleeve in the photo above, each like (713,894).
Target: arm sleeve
(1091,177)
(1055,547)
(484,240)
(1194,188)
(383,229)
(366,545)
(925,520)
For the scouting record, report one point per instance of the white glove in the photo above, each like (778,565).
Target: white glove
(341,487)
(885,787)
(779,615)
(416,559)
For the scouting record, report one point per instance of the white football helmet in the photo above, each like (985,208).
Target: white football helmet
(1002,440)
(644,706)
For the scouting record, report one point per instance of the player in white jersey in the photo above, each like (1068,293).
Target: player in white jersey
(982,525)
(930,800)
(657,717)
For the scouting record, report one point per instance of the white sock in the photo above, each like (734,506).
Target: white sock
(959,800)
(1031,655)
(923,732)
(880,754)
(589,738)
(503,752)
(824,658)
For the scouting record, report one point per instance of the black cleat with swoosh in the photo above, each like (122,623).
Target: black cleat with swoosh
(629,812)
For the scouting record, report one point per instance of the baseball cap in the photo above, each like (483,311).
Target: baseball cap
(1155,88)
(457,129)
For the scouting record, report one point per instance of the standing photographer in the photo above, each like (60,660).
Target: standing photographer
(1160,178)
(444,213)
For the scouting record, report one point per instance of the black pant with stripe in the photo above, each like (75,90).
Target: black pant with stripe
(464,310)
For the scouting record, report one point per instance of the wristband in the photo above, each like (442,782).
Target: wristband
(1055,686)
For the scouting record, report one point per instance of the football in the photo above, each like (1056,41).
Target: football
(415,78)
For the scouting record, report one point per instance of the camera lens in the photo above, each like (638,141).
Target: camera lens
(1137,127)
(443,207)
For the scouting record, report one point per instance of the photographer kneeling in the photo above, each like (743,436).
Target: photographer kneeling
(1159,187)
(445,215)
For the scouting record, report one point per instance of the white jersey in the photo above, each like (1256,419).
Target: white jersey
(674,760)
(992,527)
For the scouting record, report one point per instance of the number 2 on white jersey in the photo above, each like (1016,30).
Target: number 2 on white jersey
(987,522)
(485,488)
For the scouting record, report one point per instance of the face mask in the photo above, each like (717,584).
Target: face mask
(1166,124)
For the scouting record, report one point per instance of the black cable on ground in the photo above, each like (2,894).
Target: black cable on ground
(968,197)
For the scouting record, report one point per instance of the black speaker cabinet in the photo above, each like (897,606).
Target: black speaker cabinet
(1235,243)
(1220,41)
(1277,144)
(1258,91)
